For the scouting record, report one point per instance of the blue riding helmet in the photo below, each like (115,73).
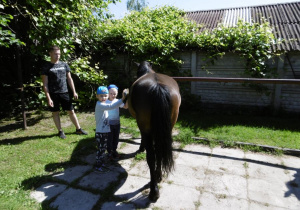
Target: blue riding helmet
(102,90)
(112,86)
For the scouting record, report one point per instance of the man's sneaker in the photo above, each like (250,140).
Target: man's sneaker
(61,135)
(81,132)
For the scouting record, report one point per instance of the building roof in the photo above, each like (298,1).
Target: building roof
(284,19)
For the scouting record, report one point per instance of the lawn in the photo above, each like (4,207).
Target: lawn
(29,157)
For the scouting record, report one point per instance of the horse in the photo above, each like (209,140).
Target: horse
(154,100)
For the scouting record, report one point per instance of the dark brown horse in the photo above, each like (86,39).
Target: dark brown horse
(154,101)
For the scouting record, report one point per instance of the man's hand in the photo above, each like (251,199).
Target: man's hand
(75,96)
(50,103)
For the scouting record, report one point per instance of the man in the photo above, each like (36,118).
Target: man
(55,75)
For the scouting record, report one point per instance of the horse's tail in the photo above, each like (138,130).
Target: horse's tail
(162,127)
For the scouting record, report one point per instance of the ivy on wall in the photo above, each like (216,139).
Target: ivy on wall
(158,34)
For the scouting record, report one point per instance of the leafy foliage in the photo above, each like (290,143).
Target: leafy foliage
(250,40)
(158,34)
(7,37)
(82,30)
(70,24)
(137,5)
(154,35)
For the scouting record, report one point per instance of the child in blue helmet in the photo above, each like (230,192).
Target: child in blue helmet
(114,122)
(102,124)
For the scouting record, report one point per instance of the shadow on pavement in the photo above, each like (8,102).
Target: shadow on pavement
(74,184)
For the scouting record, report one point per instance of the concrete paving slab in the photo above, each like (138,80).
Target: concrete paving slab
(199,161)
(226,164)
(70,174)
(199,149)
(115,205)
(291,162)
(100,181)
(271,193)
(267,172)
(130,147)
(187,176)
(134,189)
(204,178)
(176,197)
(140,169)
(228,152)
(264,206)
(261,158)
(226,184)
(211,201)
(90,159)
(75,199)
(47,191)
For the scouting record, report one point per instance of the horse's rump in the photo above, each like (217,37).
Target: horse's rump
(151,102)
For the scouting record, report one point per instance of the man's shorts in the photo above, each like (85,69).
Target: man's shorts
(61,99)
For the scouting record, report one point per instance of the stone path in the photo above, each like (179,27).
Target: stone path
(204,178)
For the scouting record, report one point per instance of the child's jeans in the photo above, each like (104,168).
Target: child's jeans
(113,138)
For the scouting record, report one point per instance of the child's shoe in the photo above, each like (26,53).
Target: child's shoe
(110,156)
(101,169)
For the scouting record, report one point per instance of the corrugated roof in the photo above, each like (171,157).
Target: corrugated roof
(284,19)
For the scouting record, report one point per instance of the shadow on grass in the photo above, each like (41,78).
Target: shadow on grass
(77,176)
(199,119)
(19,124)
(206,121)
(19,140)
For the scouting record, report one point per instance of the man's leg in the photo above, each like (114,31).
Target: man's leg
(57,123)
(56,119)
(74,119)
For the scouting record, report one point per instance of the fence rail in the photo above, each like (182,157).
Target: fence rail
(238,80)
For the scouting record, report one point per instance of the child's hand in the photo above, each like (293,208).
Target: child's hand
(125,94)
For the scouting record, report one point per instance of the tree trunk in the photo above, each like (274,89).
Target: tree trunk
(20,74)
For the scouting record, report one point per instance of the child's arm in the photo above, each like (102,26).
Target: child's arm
(104,106)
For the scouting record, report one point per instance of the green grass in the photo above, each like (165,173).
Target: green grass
(271,131)
(29,157)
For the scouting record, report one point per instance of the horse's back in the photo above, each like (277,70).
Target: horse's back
(140,102)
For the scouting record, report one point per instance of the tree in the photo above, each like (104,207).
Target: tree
(29,27)
(137,5)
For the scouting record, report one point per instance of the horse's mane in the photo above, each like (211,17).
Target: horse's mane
(144,68)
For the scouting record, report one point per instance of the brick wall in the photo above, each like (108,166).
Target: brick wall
(224,95)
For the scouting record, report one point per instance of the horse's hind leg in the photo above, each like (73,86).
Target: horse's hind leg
(142,147)
(154,191)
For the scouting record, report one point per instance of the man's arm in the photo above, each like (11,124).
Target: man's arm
(46,90)
(71,85)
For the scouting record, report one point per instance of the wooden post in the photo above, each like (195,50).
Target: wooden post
(194,71)
(278,87)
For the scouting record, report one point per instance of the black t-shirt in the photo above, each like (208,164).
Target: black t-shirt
(57,76)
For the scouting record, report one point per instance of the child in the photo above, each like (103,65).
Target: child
(102,125)
(114,122)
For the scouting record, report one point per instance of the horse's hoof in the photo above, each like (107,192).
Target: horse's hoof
(140,150)
(153,196)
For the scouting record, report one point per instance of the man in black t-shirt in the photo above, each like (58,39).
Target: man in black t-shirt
(56,77)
